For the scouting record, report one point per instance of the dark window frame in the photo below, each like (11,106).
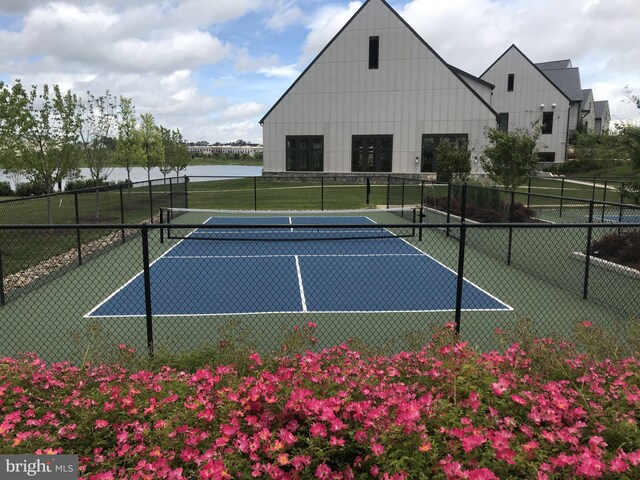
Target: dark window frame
(301,153)
(543,157)
(372,153)
(503,123)
(547,123)
(374,53)
(433,163)
(511,80)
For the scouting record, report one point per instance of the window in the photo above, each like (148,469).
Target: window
(546,157)
(305,154)
(503,123)
(371,153)
(374,52)
(547,122)
(510,81)
(430,148)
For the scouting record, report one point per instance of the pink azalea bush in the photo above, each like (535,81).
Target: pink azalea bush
(443,412)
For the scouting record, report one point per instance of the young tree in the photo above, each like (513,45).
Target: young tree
(151,143)
(129,152)
(511,157)
(13,112)
(181,155)
(99,123)
(454,161)
(49,135)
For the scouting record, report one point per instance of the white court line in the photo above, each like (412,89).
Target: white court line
(301,286)
(508,307)
(164,255)
(189,257)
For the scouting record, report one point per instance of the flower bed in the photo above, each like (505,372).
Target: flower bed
(443,412)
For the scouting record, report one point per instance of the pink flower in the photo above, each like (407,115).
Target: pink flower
(101,424)
(323,471)
(481,474)
(500,386)
(472,441)
(377,449)
(318,430)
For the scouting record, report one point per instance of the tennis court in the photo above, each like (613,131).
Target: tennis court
(294,264)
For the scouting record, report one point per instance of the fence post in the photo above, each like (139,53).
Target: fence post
(321,193)
(448,206)
(78,238)
(561,194)
(161,223)
(604,199)
(388,189)
(461,248)
(402,196)
(1,282)
(186,196)
(150,202)
(593,192)
(122,211)
(255,193)
(170,193)
(587,258)
(528,194)
(513,194)
(422,193)
(147,287)
(368,190)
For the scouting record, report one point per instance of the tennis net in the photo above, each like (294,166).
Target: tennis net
(228,225)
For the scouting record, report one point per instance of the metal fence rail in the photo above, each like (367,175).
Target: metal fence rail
(381,283)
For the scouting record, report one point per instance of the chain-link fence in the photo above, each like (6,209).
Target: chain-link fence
(372,276)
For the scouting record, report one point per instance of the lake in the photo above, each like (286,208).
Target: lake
(139,174)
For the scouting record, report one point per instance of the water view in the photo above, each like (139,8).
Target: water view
(139,174)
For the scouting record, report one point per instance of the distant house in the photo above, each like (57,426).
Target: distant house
(588,111)
(602,117)
(250,150)
(549,94)
(525,96)
(377,99)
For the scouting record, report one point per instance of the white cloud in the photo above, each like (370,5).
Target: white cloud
(242,111)
(324,25)
(286,13)
(283,71)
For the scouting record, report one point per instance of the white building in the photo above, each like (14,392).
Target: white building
(250,150)
(377,98)
(525,96)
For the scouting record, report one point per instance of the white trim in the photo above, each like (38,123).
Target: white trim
(303,299)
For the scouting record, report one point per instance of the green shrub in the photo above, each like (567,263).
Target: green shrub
(5,189)
(30,188)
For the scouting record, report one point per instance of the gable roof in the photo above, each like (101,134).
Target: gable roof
(601,106)
(567,80)
(454,71)
(554,64)
(586,93)
(543,73)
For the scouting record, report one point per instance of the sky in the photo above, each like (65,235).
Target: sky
(213,68)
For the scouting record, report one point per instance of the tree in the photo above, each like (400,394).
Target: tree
(99,123)
(511,157)
(635,99)
(630,139)
(176,152)
(454,161)
(47,135)
(151,142)
(129,152)
(13,112)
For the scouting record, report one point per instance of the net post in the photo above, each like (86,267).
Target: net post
(121,211)
(147,287)
(78,236)
(2,300)
(420,227)
(587,258)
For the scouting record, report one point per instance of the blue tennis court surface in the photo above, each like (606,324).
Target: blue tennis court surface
(627,218)
(305,273)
